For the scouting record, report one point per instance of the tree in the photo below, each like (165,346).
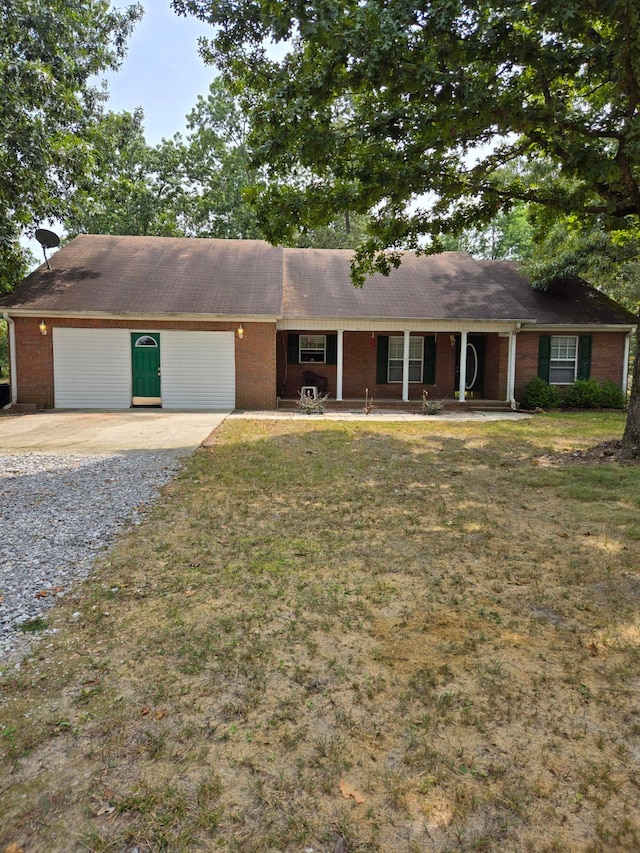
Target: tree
(50,54)
(199,186)
(508,235)
(391,104)
(134,188)
(218,168)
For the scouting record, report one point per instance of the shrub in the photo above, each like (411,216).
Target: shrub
(538,394)
(309,405)
(611,396)
(583,394)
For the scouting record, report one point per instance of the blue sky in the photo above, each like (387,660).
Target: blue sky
(163,72)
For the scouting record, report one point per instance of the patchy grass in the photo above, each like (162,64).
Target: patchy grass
(438,619)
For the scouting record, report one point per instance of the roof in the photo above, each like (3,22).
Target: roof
(571,299)
(100,274)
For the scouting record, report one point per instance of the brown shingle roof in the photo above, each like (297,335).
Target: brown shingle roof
(450,285)
(166,275)
(447,286)
(568,301)
(156,275)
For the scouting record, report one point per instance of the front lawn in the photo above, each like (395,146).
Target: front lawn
(374,637)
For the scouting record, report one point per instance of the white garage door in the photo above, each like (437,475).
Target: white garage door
(198,370)
(91,368)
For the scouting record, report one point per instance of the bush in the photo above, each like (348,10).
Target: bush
(583,394)
(538,394)
(611,396)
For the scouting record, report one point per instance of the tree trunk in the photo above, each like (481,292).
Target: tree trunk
(631,437)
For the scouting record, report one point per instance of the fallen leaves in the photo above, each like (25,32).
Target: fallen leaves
(347,791)
(159,714)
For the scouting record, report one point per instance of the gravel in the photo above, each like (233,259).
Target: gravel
(58,512)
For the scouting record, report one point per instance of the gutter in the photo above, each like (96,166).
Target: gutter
(13,379)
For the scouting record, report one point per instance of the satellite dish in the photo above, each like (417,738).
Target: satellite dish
(48,240)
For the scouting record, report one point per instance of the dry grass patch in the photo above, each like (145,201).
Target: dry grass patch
(438,618)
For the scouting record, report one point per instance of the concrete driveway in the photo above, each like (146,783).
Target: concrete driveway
(107,432)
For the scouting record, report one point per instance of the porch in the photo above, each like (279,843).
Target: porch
(357,406)
(470,368)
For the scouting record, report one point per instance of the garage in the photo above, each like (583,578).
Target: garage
(118,368)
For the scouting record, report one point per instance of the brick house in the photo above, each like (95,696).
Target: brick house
(183,323)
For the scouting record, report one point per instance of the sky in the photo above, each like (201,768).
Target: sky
(163,72)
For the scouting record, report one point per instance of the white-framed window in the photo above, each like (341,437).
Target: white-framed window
(396,355)
(313,348)
(563,364)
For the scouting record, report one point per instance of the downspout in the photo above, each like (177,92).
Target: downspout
(13,375)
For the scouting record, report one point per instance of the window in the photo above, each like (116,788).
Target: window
(563,359)
(146,341)
(396,354)
(313,348)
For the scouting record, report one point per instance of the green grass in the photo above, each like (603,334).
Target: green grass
(442,615)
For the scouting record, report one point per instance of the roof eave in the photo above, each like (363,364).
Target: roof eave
(138,315)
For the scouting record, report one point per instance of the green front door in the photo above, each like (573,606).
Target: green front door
(145,367)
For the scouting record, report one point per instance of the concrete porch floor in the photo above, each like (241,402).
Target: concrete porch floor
(408,407)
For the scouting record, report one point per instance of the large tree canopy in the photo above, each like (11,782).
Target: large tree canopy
(50,54)
(135,188)
(193,186)
(413,110)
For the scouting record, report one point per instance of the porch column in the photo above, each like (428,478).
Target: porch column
(463,366)
(405,368)
(625,364)
(339,363)
(511,370)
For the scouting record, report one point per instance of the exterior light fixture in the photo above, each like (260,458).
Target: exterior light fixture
(452,338)
(43,327)
(240,332)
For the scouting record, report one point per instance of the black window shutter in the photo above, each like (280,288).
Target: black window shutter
(429,362)
(293,349)
(584,356)
(332,349)
(382,359)
(544,356)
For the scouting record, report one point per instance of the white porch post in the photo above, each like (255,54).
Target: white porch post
(405,368)
(340,362)
(463,366)
(625,364)
(511,370)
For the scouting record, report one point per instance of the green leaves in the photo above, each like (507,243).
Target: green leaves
(384,104)
(50,52)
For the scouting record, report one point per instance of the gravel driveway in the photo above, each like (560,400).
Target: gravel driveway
(58,511)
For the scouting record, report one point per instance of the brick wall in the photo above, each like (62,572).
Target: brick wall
(255,356)
(607,352)
(360,369)
(34,362)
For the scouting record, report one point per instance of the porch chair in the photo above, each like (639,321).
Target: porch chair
(320,382)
